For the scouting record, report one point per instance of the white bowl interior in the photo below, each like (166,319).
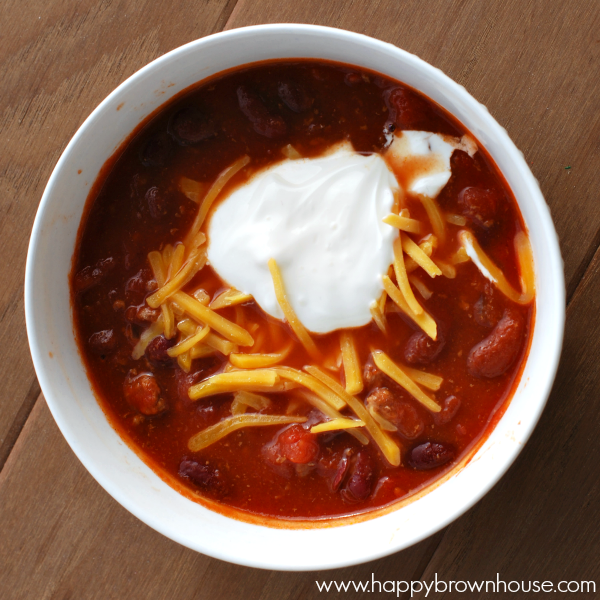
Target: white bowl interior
(67,389)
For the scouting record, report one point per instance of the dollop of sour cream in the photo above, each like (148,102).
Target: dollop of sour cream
(321,220)
(422,159)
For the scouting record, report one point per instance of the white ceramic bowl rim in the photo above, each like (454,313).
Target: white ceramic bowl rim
(62,376)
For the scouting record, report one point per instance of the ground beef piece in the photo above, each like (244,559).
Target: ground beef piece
(397,411)
(142,314)
(142,393)
(486,311)
(479,205)
(372,376)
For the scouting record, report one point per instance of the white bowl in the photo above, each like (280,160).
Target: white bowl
(67,389)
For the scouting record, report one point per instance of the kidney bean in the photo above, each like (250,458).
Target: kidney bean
(266,124)
(142,393)
(156,151)
(430,455)
(361,480)
(156,351)
(209,479)
(399,412)
(496,353)
(92,275)
(190,126)
(479,205)
(449,409)
(486,312)
(103,342)
(420,349)
(341,470)
(155,202)
(294,96)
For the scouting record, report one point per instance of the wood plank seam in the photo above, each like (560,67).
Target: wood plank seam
(226,15)
(436,540)
(586,273)
(477,49)
(584,267)
(19,422)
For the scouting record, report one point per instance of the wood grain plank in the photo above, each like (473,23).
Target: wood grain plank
(62,537)
(58,60)
(531,62)
(541,521)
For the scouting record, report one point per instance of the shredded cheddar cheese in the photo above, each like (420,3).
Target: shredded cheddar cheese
(350,360)
(424,320)
(402,277)
(229,298)
(336,425)
(214,433)
(289,313)
(392,370)
(420,257)
(404,223)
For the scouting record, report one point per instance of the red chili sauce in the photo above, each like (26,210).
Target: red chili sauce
(136,207)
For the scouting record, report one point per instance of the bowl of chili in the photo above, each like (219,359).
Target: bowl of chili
(187,502)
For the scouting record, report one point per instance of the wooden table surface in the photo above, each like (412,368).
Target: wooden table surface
(533,63)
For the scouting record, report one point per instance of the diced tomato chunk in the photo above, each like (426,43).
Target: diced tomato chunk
(298,445)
